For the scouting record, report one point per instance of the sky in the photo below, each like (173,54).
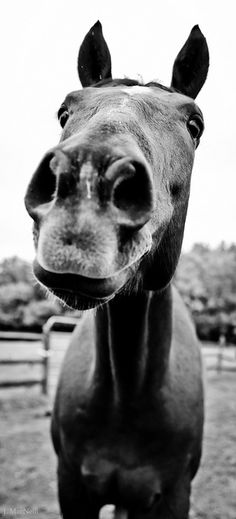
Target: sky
(39,47)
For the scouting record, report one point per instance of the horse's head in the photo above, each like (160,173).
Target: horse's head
(109,201)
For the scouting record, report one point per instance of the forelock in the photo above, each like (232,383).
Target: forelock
(131,82)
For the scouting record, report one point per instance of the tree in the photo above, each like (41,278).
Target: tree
(23,304)
(206,279)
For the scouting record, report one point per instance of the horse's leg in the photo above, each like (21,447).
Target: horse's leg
(73,508)
(177,503)
(73,500)
(172,505)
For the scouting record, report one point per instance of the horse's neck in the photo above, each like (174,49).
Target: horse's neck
(133,336)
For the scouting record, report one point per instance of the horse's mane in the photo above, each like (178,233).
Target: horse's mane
(109,82)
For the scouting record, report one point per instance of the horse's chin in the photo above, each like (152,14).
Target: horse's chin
(80,292)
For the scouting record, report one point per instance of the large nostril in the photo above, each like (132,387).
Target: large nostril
(42,186)
(132,194)
(49,179)
(124,188)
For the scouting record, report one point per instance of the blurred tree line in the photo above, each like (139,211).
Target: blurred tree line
(205,277)
(23,303)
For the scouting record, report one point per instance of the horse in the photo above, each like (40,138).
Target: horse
(109,204)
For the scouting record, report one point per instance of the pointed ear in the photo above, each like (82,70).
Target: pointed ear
(191,65)
(94,61)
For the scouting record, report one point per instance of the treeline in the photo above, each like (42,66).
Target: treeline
(23,303)
(205,277)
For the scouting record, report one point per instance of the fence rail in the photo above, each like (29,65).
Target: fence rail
(19,383)
(20,336)
(9,362)
(43,353)
(218,357)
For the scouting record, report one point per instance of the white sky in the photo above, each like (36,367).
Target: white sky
(39,46)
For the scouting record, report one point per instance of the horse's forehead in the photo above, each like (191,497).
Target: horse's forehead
(138,92)
(124,97)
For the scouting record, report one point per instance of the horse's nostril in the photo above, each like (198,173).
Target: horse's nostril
(42,186)
(125,194)
(51,179)
(133,195)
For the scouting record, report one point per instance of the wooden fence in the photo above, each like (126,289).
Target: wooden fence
(218,357)
(43,353)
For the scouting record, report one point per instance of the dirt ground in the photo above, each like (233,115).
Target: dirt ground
(28,464)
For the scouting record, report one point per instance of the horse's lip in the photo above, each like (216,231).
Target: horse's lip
(95,288)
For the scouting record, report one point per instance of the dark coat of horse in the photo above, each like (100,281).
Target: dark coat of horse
(109,204)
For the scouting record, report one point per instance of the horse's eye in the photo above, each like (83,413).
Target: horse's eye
(195,127)
(63,115)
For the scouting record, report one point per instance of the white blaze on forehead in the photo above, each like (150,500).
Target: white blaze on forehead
(136,89)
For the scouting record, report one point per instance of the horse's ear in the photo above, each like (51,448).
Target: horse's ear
(191,65)
(94,61)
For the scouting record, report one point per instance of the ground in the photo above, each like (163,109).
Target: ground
(214,488)
(28,463)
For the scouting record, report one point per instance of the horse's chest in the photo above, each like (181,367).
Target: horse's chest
(133,438)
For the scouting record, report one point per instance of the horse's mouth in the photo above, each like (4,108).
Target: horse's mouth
(80,291)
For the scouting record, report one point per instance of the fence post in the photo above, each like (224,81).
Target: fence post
(45,362)
(47,329)
(222,342)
